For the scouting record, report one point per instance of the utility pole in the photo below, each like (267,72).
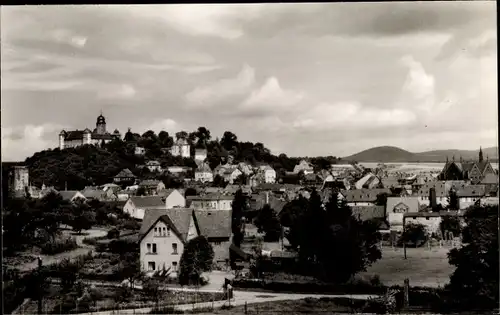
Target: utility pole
(40,280)
(404,243)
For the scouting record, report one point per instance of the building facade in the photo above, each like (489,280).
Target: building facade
(181,148)
(76,138)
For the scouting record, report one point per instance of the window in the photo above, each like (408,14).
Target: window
(164,231)
(156,232)
(174,248)
(148,245)
(168,231)
(217,243)
(151,266)
(174,266)
(154,248)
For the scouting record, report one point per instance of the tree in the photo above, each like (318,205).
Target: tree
(450,224)
(219,181)
(130,268)
(141,191)
(413,233)
(267,222)
(82,217)
(239,206)
(381,199)
(229,140)
(196,258)
(453,201)
(152,290)
(474,283)
(181,135)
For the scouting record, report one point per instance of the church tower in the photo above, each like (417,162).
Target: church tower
(101,125)
(480,154)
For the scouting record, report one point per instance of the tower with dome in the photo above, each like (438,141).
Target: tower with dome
(99,136)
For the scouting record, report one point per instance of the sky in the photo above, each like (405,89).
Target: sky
(304,79)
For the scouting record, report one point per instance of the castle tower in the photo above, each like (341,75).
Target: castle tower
(21,180)
(101,124)
(480,154)
(62,136)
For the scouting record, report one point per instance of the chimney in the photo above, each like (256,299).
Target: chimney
(432,198)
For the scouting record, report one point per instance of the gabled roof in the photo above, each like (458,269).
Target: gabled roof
(125,173)
(153,163)
(490,179)
(93,194)
(165,192)
(181,217)
(150,182)
(177,219)
(363,195)
(148,201)
(68,194)
(439,186)
(151,216)
(391,181)
(411,202)
(209,197)
(472,191)
(369,212)
(214,224)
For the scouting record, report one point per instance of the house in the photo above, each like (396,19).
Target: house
(139,151)
(489,201)
(269,174)
(44,191)
(216,227)
(178,169)
(431,220)
(210,202)
(163,235)
(124,175)
(204,174)
(71,195)
(311,179)
(291,178)
(181,148)
(245,168)
(396,207)
(97,194)
(230,175)
(275,188)
(259,200)
(138,205)
(153,166)
(369,181)
(391,182)
(423,193)
(363,197)
(200,154)
(152,186)
(113,187)
(469,195)
(173,198)
(374,213)
(475,171)
(303,166)
(256,179)
(232,189)
(490,181)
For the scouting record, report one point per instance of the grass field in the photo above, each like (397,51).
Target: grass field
(423,267)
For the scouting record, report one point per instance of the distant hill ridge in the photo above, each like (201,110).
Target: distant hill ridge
(391,154)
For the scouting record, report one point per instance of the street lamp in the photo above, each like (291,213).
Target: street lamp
(404,242)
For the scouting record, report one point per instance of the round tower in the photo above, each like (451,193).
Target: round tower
(62,136)
(101,125)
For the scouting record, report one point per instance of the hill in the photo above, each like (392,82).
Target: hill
(390,154)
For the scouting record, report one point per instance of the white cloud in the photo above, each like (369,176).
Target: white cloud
(19,143)
(168,125)
(68,37)
(219,90)
(418,91)
(122,91)
(352,116)
(271,96)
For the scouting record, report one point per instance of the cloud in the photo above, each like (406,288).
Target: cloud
(271,97)
(418,89)
(348,116)
(210,94)
(169,125)
(66,36)
(21,142)
(117,92)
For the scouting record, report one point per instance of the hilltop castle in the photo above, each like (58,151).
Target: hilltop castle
(75,138)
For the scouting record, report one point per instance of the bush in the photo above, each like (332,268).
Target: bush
(113,233)
(58,246)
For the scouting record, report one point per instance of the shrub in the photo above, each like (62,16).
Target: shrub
(58,246)
(113,233)
(375,280)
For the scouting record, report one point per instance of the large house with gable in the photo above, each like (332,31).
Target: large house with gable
(475,171)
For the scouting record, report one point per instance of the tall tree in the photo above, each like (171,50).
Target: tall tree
(239,206)
(229,140)
(196,258)
(267,222)
(474,283)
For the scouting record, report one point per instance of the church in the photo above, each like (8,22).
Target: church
(99,136)
(475,171)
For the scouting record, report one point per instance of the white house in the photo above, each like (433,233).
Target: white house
(136,206)
(430,220)
(71,195)
(369,181)
(269,174)
(200,154)
(303,166)
(231,174)
(204,174)
(152,186)
(153,166)
(163,235)
(469,195)
(423,193)
(139,151)
(396,207)
(173,198)
(181,148)
(210,202)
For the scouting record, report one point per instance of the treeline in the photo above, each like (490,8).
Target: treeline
(87,165)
